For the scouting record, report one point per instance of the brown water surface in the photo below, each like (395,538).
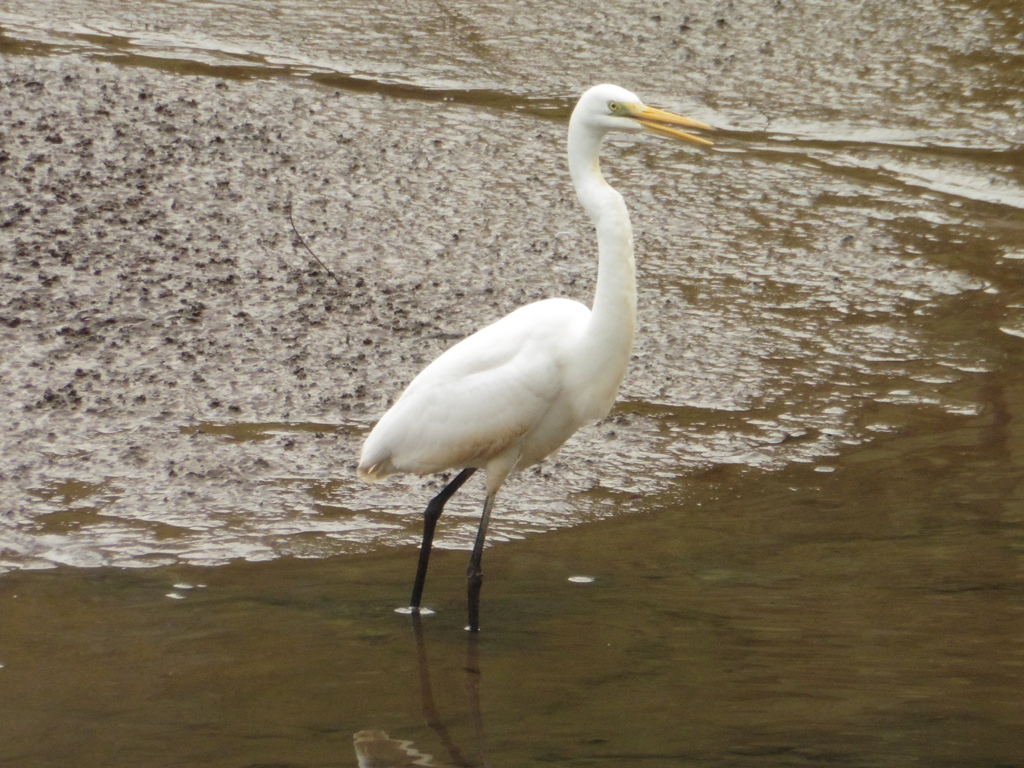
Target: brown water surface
(791,618)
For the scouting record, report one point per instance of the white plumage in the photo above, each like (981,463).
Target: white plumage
(500,399)
(512,393)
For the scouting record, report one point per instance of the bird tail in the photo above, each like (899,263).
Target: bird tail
(374,473)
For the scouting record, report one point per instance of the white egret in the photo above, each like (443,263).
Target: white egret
(515,391)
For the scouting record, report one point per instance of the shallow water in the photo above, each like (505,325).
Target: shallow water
(783,621)
(803,519)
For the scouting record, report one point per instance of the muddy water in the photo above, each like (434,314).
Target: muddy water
(802,523)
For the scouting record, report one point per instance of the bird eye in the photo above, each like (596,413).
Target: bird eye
(613,106)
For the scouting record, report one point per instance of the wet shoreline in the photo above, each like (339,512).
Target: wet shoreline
(175,359)
(185,384)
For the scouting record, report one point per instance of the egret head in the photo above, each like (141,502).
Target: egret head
(608,107)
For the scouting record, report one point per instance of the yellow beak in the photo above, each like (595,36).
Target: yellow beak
(659,121)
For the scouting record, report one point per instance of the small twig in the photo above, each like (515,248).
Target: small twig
(306,246)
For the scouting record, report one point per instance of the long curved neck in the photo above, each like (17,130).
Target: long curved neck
(613,315)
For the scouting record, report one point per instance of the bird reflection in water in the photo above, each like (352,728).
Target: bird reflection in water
(375,749)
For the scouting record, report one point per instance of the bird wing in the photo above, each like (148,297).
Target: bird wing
(480,397)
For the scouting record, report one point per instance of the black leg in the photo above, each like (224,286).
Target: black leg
(474,574)
(430,516)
